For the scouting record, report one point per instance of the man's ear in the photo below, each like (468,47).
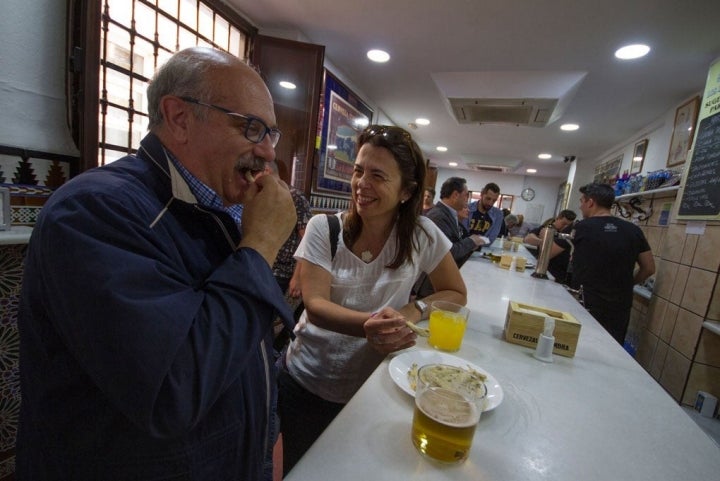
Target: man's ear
(177,117)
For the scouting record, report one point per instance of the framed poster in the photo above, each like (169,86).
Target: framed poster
(343,115)
(683,131)
(606,172)
(638,157)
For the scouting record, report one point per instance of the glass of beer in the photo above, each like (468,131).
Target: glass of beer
(447,325)
(446,415)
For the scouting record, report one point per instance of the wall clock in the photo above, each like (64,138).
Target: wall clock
(528,194)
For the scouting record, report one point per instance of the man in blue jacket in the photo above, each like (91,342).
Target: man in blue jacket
(486,219)
(145,315)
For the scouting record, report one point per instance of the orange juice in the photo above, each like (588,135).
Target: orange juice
(446,329)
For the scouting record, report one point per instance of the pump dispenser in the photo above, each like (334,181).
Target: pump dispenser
(546,342)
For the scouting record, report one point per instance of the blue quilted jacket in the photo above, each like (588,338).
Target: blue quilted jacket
(145,337)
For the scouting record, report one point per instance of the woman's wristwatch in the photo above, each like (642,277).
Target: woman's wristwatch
(423,308)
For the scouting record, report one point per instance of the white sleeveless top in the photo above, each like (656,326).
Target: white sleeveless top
(332,365)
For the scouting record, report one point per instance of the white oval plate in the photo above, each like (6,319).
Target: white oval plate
(401,364)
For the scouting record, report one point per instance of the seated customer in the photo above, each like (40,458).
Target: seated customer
(486,219)
(510,222)
(560,249)
(453,198)
(521,228)
(446,215)
(356,301)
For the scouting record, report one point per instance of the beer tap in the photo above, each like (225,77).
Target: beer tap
(545,248)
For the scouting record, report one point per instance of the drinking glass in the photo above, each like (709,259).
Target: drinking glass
(445,417)
(447,325)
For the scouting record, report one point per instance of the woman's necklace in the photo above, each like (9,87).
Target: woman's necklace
(366,256)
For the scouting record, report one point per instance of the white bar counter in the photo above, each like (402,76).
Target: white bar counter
(597,416)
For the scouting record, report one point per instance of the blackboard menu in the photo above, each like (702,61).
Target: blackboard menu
(701,196)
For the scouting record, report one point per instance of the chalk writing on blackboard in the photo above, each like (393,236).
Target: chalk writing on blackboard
(701,196)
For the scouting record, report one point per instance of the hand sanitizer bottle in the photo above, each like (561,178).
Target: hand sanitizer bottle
(546,342)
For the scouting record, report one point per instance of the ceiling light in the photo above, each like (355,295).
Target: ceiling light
(379,56)
(441,148)
(629,52)
(531,171)
(421,121)
(287,85)
(452,164)
(544,156)
(569,127)
(637,159)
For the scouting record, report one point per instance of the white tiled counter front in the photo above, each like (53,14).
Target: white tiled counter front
(598,416)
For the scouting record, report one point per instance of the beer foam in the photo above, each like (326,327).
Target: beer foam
(447,407)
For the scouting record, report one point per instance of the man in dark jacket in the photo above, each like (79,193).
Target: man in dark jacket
(145,316)
(453,198)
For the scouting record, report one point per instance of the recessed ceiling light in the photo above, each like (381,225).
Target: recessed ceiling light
(287,85)
(629,52)
(422,121)
(379,56)
(452,164)
(569,127)
(332,147)
(544,156)
(441,148)
(531,171)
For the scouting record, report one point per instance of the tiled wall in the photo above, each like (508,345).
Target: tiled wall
(674,347)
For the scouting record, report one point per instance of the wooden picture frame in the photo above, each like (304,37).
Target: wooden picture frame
(638,157)
(683,131)
(343,116)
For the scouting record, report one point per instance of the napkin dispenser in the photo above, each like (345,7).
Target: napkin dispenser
(524,324)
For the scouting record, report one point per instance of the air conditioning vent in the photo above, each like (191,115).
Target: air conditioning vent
(528,112)
(488,168)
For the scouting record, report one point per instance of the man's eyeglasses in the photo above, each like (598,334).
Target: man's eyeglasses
(255,129)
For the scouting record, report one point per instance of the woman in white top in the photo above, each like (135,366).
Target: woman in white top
(356,303)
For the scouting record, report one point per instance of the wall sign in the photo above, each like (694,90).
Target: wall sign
(701,192)
(343,116)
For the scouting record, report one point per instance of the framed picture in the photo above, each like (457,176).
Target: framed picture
(606,172)
(683,131)
(343,115)
(638,156)
(563,196)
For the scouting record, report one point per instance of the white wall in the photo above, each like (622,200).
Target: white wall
(658,134)
(32,77)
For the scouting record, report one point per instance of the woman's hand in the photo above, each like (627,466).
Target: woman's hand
(386,331)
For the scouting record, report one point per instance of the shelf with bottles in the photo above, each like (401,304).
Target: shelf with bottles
(656,192)
(664,181)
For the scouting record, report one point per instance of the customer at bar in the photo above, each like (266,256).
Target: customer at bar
(145,316)
(356,302)
(445,214)
(486,219)
(560,249)
(520,228)
(606,251)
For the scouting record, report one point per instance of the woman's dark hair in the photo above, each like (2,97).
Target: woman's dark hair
(411,164)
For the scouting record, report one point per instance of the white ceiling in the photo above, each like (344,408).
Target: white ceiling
(521,48)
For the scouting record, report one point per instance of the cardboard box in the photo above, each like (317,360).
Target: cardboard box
(525,322)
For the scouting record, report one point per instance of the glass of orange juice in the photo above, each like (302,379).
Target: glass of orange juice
(447,325)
